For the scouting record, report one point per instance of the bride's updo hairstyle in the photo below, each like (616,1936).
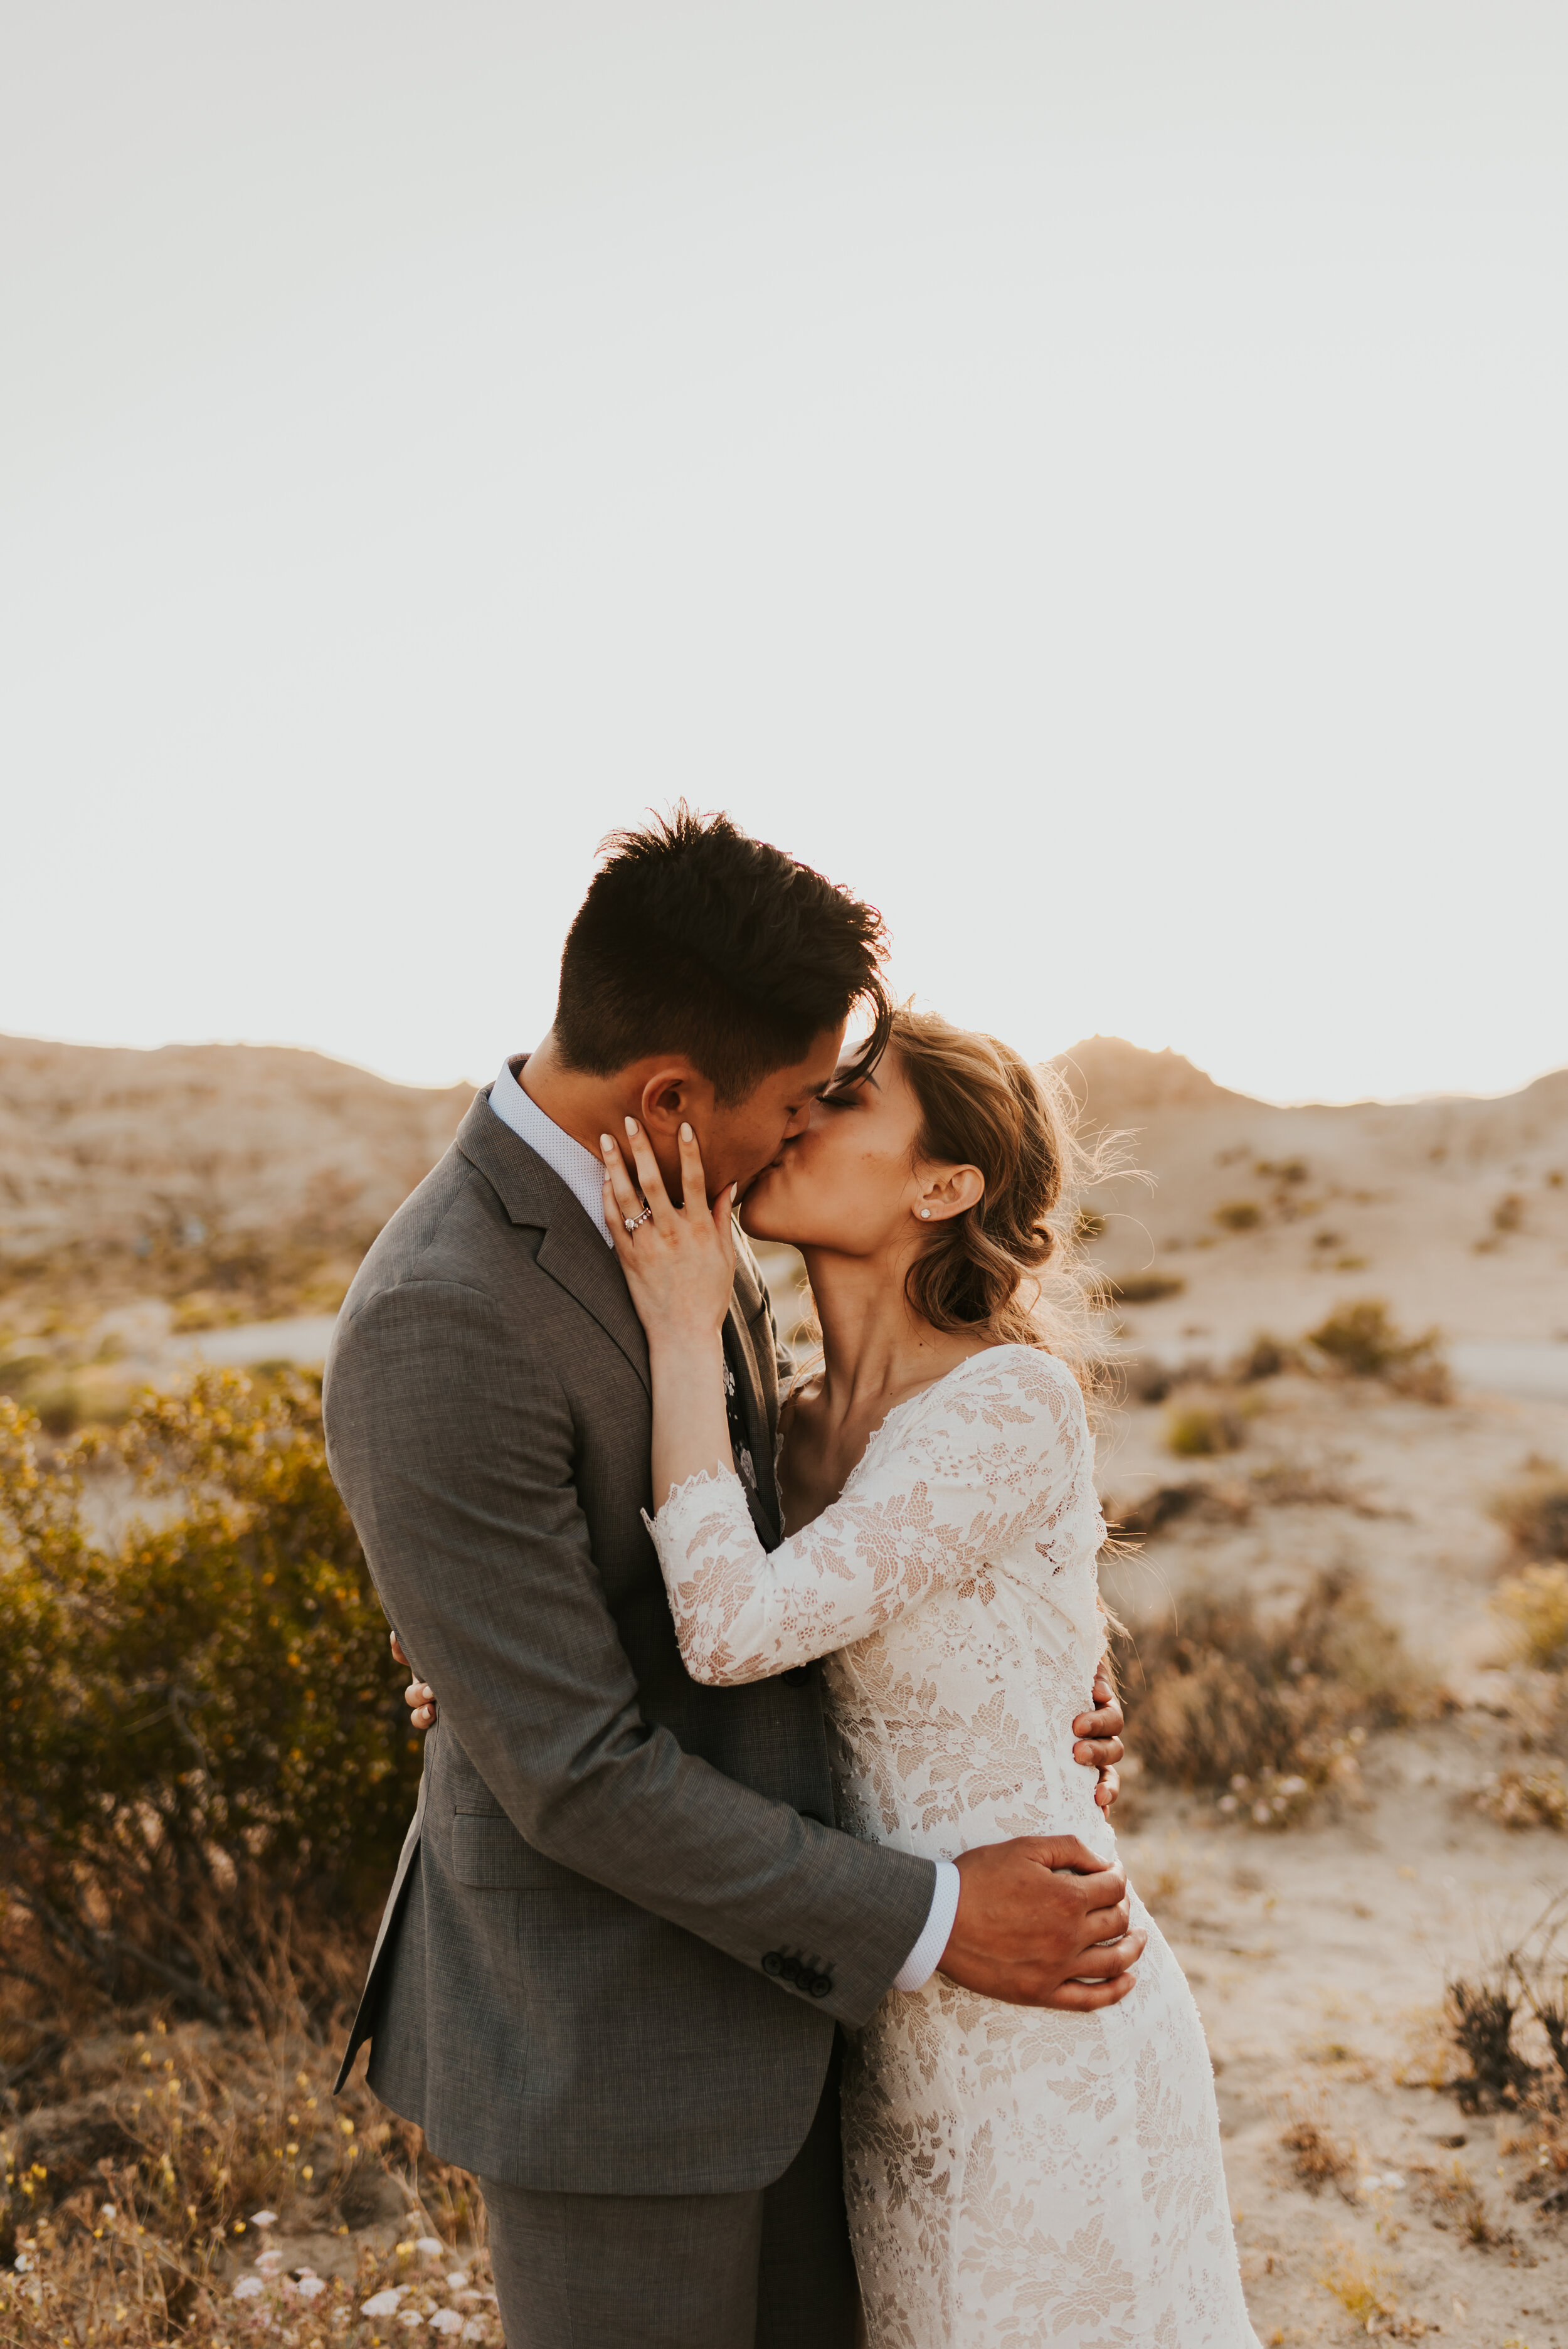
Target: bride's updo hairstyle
(1009,1265)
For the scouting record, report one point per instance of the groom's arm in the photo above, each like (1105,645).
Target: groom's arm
(457,1457)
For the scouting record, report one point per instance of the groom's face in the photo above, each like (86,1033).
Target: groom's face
(738,1138)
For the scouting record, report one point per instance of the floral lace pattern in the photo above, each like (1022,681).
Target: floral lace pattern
(1015,2177)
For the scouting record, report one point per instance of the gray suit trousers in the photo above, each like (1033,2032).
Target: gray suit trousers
(767,2270)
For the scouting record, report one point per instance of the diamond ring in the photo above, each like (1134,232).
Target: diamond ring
(632,1222)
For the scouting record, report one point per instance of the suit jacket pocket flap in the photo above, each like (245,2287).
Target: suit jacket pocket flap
(487,1850)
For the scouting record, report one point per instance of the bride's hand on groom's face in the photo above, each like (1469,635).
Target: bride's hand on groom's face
(419,1696)
(1043,1922)
(679,1262)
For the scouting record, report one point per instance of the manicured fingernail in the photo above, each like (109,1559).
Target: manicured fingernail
(631,1125)
(686,1134)
(606,1145)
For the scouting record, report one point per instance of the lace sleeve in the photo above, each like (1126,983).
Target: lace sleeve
(996,1450)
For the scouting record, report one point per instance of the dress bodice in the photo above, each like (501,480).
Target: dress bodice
(951,1588)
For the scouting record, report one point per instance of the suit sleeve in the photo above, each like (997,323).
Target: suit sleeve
(456,1456)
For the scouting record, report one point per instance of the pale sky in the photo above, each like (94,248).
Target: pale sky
(1091,476)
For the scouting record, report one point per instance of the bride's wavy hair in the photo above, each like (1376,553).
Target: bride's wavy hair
(1011,1266)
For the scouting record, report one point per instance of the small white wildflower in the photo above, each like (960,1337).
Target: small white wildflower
(409,2316)
(309,2286)
(24,2263)
(429,2246)
(458,2279)
(382,2304)
(108,2211)
(249,2288)
(264,2218)
(269,2263)
(474,2329)
(445,2320)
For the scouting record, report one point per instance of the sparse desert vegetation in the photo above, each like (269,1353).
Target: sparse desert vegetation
(1346,1686)
(1269,1716)
(1361,1340)
(1534,1511)
(207,1775)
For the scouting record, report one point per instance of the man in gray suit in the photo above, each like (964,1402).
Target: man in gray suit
(623,1927)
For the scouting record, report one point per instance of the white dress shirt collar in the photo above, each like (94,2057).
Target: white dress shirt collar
(583,1173)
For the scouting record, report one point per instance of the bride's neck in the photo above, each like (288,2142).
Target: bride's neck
(874,1344)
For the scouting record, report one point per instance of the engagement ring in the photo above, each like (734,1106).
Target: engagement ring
(632,1222)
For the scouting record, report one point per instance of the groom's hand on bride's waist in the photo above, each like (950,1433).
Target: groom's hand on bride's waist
(1042,1923)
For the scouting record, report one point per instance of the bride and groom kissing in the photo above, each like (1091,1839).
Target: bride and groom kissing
(760,1938)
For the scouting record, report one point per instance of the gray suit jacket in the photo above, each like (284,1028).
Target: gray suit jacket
(623,1923)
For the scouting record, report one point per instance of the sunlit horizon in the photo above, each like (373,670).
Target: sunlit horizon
(477,1078)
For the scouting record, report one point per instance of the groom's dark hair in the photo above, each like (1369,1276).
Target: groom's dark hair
(694,939)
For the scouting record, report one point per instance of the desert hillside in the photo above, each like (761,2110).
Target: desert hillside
(1454,1209)
(199,1165)
(179,1168)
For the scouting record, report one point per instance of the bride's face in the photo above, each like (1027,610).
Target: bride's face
(850,1181)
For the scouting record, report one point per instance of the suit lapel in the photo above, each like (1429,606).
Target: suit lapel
(574,1254)
(572,1251)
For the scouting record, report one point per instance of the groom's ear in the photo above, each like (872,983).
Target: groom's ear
(671,1094)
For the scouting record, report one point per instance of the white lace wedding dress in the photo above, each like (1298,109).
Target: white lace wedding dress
(1015,2176)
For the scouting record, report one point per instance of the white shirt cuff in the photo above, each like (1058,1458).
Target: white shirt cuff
(926,1955)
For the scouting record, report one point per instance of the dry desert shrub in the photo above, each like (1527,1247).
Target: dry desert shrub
(1144,1288)
(1228,1503)
(1525,1798)
(1318,2159)
(1365,2289)
(1530,1984)
(1266,1358)
(1361,1340)
(140,2208)
(1238,1216)
(1481,2018)
(1533,1513)
(1202,1431)
(1535,1606)
(1270,1715)
(204,1760)
(1456,2202)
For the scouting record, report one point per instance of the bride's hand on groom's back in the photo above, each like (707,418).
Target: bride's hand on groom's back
(419,1696)
(1042,1923)
(1098,1736)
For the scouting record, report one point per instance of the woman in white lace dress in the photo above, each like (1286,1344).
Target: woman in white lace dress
(1015,2176)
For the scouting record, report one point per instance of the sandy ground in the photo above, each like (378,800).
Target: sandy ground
(1318,1955)
(1318,1960)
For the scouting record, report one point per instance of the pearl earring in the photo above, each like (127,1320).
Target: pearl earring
(925,1215)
